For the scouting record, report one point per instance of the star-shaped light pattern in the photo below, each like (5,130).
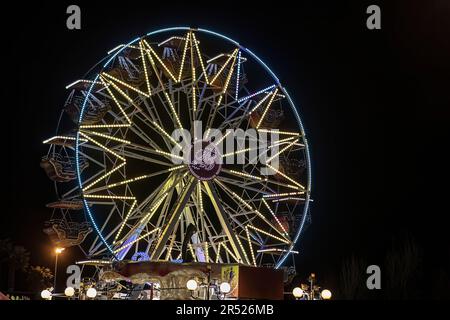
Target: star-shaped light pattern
(142,201)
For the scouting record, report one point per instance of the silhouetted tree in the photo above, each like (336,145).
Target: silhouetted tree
(440,285)
(403,264)
(352,280)
(16,257)
(6,247)
(39,278)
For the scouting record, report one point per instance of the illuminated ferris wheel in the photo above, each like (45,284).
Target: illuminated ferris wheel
(112,157)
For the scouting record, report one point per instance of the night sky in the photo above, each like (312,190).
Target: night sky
(375,106)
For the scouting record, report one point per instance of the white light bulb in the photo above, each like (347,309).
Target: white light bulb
(225,287)
(69,291)
(45,294)
(297,292)
(326,294)
(191,285)
(91,293)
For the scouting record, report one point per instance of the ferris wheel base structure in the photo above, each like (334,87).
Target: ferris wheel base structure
(246,282)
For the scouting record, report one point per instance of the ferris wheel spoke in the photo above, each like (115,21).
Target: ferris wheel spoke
(131,180)
(107,137)
(123,250)
(113,80)
(237,215)
(91,158)
(240,184)
(225,108)
(174,216)
(150,51)
(214,110)
(172,113)
(231,120)
(259,230)
(207,102)
(165,100)
(198,201)
(200,58)
(209,227)
(106,237)
(89,183)
(130,100)
(162,191)
(246,176)
(144,67)
(233,195)
(116,101)
(236,121)
(281,151)
(268,181)
(152,203)
(183,58)
(141,133)
(134,235)
(239,212)
(171,242)
(131,152)
(168,139)
(163,214)
(254,94)
(104,148)
(144,137)
(75,189)
(194,81)
(286,235)
(97,243)
(301,187)
(230,57)
(223,218)
(152,110)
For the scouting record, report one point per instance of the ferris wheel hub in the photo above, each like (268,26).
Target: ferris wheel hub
(205,160)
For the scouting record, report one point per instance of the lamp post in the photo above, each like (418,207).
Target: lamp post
(311,291)
(58,251)
(223,289)
(312,280)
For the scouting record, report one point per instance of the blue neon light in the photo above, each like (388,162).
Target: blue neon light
(256,93)
(238,74)
(308,193)
(77,155)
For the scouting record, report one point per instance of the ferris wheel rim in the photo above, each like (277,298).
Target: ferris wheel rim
(275,78)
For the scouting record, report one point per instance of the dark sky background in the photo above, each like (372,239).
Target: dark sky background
(375,106)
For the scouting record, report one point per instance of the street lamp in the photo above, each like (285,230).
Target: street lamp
(191,285)
(46,294)
(91,293)
(297,292)
(326,294)
(311,291)
(225,287)
(58,251)
(69,292)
